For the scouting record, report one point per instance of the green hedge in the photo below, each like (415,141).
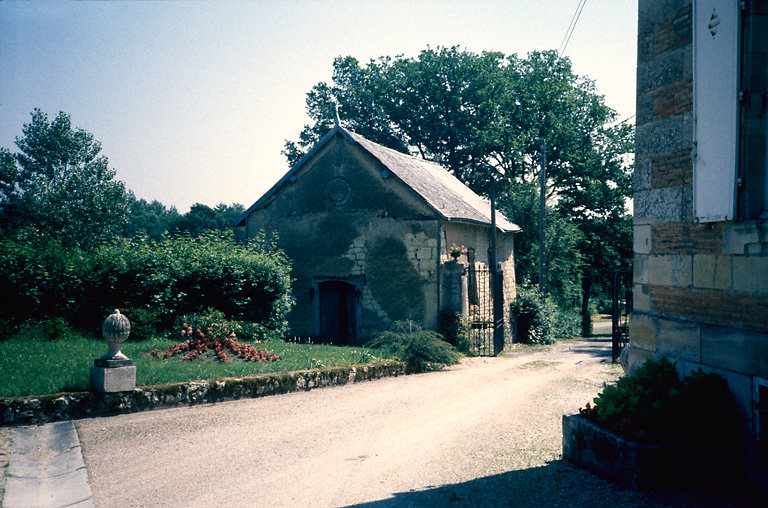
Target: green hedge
(151,282)
(541,322)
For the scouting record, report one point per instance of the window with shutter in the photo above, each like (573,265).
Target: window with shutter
(715,92)
(752,184)
(730,90)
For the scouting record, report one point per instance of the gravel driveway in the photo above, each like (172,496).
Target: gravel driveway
(485,433)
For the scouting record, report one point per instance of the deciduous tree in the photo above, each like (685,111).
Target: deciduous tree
(152,219)
(59,184)
(484,116)
(201,218)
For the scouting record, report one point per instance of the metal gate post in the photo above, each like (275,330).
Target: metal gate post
(615,323)
(498,311)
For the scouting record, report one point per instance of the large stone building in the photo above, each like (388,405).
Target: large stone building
(368,230)
(701,221)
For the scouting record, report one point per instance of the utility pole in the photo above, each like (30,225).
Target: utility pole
(493,226)
(496,281)
(542,222)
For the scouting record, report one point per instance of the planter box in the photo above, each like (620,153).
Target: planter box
(626,463)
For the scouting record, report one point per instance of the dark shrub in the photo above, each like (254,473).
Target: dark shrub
(455,330)
(540,322)
(419,349)
(184,275)
(640,406)
(45,329)
(527,311)
(699,413)
(654,405)
(39,279)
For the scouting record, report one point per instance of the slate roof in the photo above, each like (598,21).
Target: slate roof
(442,191)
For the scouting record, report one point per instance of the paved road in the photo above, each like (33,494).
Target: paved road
(486,433)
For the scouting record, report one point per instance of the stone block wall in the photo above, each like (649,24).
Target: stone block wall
(700,289)
(422,252)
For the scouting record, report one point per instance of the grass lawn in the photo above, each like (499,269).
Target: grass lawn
(37,367)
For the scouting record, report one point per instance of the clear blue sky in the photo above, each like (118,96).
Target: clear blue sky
(192,101)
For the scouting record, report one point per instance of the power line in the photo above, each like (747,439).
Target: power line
(572,26)
(619,122)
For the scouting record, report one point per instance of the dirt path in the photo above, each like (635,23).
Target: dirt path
(486,433)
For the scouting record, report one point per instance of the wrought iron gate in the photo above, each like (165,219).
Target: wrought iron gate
(486,300)
(621,307)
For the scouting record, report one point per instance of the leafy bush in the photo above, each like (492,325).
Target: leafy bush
(419,349)
(217,322)
(455,329)
(39,278)
(258,331)
(46,329)
(145,323)
(637,406)
(654,405)
(601,304)
(540,322)
(527,311)
(151,282)
(561,323)
(210,321)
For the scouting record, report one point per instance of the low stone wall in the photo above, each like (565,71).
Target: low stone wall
(66,406)
(631,465)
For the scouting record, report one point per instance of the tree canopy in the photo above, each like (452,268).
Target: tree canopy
(201,218)
(59,184)
(484,116)
(477,114)
(152,219)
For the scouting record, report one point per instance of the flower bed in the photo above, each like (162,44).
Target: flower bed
(652,430)
(206,342)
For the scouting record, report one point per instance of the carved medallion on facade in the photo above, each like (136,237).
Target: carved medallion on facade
(339,191)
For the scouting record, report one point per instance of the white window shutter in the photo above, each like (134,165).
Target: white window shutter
(716,108)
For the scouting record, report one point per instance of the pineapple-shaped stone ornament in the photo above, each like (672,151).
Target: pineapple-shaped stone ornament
(115,330)
(114,372)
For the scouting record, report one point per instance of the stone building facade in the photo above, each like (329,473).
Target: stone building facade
(368,230)
(701,223)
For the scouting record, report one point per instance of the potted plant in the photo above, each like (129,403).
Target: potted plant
(653,430)
(455,251)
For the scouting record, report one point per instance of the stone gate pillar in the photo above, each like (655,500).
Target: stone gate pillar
(453,296)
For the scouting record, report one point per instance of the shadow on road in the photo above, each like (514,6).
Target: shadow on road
(556,484)
(599,347)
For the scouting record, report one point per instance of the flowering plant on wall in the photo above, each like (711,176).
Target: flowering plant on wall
(455,250)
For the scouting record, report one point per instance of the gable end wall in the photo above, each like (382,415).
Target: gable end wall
(341,219)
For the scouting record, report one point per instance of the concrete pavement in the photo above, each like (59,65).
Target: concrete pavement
(46,469)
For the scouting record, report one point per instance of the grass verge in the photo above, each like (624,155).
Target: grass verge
(38,367)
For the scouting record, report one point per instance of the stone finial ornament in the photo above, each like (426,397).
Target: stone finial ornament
(114,372)
(115,330)
(336,120)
